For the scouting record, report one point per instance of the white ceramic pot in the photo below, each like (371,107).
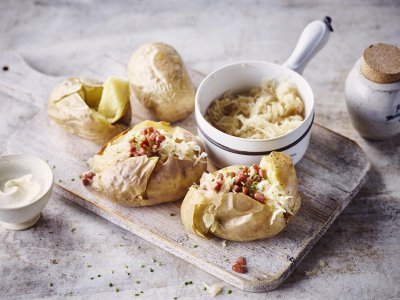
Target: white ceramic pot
(20,217)
(224,149)
(374,108)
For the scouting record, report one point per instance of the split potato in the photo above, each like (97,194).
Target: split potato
(89,108)
(244,203)
(148,164)
(159,80)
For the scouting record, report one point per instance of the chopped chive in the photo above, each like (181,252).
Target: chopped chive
(230,292)
(151,270)
(73,229)
(110,284)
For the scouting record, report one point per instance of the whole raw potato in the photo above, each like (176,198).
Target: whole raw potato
(238,217)
(145,180)
(159,80)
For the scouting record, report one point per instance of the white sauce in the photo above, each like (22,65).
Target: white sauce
(19,191)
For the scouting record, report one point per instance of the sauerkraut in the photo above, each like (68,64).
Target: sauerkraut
(271,110)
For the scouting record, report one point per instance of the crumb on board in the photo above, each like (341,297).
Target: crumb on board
(315,271)
(213,289)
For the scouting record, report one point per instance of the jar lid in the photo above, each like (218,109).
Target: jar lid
(381,63)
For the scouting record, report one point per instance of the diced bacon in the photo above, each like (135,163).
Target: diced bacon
(236,189)
(256,168)
(220,178)
(152,136)
(241,261)
(160,138)
(262,173)
(245,190)
(259,197)
(217,187)
(239,268)
(87,178)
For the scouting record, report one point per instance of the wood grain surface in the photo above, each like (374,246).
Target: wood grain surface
(331,173)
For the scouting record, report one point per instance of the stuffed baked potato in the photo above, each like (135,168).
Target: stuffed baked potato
(244,203)
(148,164)
(91,109)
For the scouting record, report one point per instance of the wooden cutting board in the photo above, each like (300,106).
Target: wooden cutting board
(331,173)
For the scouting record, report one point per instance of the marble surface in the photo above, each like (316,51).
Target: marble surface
(359,255)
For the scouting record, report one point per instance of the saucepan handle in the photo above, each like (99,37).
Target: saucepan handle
(311,40)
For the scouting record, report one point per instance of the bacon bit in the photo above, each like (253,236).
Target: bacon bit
(236,189)
(217,187)
(152,136)
(144,143)
(256,167)
(220,178)
(259,197)
(160,138)
(150,129)
(239,268)
(262,173)
(241,261)
(241,178)
(87,178)
(245,190)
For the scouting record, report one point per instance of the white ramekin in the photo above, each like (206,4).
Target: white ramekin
(16,165)
(224,149)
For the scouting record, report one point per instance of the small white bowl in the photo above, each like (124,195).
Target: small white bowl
(224,149)
(12,166)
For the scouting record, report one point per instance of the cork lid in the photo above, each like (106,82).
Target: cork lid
(381,63)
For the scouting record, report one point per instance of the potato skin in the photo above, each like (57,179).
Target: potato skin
(159,80)
(144,181)
(236,216)
(68,109)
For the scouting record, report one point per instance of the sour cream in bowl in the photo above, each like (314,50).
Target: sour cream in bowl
(26,184)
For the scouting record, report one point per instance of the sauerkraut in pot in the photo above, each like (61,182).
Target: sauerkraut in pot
(270,110)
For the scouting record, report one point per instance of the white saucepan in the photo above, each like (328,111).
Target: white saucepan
(225,149)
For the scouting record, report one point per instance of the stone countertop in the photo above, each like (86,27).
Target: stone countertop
(74,253)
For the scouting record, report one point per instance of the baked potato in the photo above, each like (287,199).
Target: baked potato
(158,79)
(244,203)
(91,109)
(148,164)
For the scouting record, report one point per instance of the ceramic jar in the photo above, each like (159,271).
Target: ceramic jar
(372,98)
